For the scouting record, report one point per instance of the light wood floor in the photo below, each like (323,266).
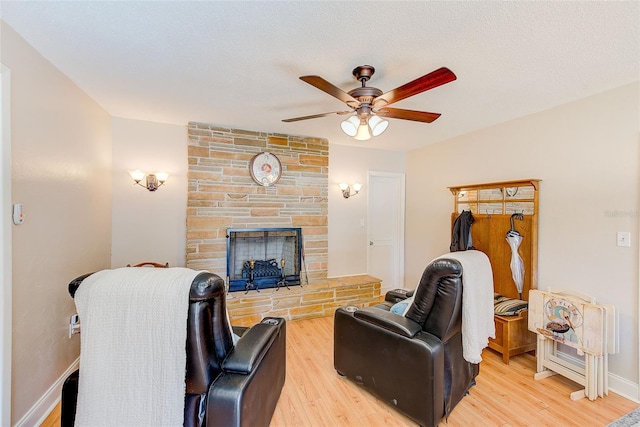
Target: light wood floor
(505,395)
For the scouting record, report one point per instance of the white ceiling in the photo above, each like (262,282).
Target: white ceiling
(237,63)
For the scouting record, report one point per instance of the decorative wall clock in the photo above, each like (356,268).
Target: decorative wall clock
(265,168)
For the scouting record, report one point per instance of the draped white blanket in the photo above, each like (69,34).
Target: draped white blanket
(477,303)
(132,354)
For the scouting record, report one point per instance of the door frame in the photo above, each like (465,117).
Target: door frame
(5,248)
(400,226)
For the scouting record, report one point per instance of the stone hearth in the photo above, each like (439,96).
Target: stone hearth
(302,302)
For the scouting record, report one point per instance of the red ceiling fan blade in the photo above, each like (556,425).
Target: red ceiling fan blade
(336,92)
(315,116)
(416,116)
(429,81)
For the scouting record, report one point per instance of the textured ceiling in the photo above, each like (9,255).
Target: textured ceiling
(237,63)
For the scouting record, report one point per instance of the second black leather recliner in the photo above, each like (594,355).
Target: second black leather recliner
(413,362)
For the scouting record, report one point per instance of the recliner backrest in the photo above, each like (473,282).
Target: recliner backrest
(438,299)
(209,338)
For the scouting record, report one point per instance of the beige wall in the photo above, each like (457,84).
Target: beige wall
(348,239)
(61,172)
(149,226)
(586,154)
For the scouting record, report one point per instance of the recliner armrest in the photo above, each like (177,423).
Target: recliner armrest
(396,295)
(252,347)
(390,321)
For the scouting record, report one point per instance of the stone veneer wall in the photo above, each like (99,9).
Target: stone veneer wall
(222,194)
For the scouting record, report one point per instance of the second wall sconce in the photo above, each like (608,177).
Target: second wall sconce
(153,181)
(346,189)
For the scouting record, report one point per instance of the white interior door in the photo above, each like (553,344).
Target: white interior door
(386,228)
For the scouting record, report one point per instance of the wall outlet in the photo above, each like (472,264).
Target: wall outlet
(624,239)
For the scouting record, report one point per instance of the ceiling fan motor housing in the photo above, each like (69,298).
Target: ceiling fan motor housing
(365,95)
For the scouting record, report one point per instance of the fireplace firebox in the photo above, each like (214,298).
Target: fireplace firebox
(260,258)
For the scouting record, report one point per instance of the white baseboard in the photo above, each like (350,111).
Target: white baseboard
(624,388)
(45,405)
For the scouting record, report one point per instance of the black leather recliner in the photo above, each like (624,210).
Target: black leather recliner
(226,385)
(414,363)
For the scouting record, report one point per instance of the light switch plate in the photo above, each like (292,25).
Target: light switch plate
(624,238)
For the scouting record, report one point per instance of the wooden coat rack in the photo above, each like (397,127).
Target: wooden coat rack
(492,205)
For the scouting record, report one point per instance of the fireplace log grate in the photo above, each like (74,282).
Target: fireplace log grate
(268,268)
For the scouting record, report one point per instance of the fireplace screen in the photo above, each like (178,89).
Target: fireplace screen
(259,258)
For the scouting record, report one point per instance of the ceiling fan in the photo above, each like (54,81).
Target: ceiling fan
(370,104)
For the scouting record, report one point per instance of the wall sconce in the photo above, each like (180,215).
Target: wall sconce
(153,180)
(346,189)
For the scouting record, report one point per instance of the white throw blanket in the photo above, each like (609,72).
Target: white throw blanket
(132,355)
(477,303)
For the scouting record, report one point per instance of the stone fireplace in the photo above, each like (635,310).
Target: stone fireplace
(223,199)
(222,195)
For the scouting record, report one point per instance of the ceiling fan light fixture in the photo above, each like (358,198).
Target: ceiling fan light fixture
(364,131)
(350,125)
(377,125)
